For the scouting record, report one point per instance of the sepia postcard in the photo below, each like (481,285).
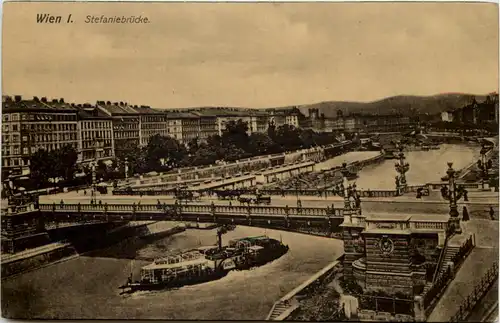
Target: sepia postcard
(330,161)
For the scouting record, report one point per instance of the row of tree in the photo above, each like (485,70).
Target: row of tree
(164,153)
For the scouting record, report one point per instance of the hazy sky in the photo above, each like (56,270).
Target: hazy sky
(255,55)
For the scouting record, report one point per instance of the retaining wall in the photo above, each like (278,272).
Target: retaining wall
(66,251)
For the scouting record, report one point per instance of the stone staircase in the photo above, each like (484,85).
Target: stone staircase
(450,252)
(278,309)
(427,286)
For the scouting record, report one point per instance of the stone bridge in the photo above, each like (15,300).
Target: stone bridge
(326,220)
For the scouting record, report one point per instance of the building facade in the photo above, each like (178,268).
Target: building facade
(95,135)
(151,122)
(126,123)
(30,125)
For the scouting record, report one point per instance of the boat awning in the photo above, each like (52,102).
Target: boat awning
(255,248)
(194,262)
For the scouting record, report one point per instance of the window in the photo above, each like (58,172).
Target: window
(14,127)
(25,151)
(16,150)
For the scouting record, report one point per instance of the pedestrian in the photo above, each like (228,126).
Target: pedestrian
(465,215)
(492,213)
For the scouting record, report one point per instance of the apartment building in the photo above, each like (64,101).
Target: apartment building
(190,126)
(95,134)
(207,124)
(126,122)
(152,122)
(33,124)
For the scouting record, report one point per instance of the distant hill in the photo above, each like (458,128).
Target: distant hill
(404,104)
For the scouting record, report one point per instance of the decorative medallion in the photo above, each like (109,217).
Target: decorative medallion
(385,245)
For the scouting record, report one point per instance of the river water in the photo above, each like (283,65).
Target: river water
(425,166)
(87,287)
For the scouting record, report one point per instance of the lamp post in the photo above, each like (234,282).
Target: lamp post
(8,186)
(402,168)
(126,167)
(452,194)
(484,165)
(348,191)
(297,186)
(93,165)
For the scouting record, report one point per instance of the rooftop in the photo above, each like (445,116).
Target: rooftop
(35,103)
(117,108)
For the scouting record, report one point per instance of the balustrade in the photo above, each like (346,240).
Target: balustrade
(219,209)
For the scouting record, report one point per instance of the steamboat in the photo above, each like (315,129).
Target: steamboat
(207,263)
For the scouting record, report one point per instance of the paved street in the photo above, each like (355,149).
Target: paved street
(472,270)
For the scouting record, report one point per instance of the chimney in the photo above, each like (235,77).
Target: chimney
(35,98)
(79,105)
(73,105)
(61,100)
(18,98)
(116,103)
(7,98)
(44,99)
(108,103)
(121,103)
(54,100)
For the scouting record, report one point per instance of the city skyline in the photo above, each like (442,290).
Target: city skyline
(356,52)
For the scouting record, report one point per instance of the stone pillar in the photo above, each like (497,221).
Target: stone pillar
(454,215)
(419,309)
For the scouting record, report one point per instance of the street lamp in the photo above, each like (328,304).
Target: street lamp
(126,167)
(402,168)
(9,188)
(348,190)
(93,165)
(484,165)
(297,186)
(453,194)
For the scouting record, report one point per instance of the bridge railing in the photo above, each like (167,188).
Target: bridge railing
(206,209)
(242,191)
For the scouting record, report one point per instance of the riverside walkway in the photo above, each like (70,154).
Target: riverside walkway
(472,270)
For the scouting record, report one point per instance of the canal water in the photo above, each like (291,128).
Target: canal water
(87,287)
(425,166)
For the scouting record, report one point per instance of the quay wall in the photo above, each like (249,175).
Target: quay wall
(147,231)
(290,303)
(37,261)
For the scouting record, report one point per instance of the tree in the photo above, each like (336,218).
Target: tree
(135,157)
(288,137)
(65,162)
(41,167)
(235,134)
(260,144)
(193,145)
(163,152)
(204,156)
